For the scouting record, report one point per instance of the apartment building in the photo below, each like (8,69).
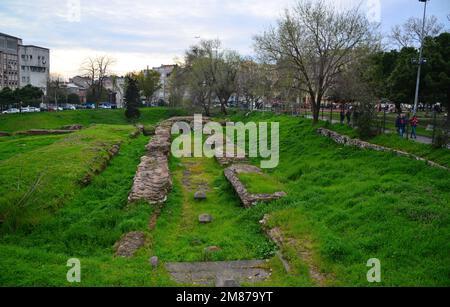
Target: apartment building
(34,66)
(23,64)
(165,71)
(9,61)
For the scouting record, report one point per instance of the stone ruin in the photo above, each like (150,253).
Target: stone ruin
(348,141)
(248,199)
(152,181)
(129,244)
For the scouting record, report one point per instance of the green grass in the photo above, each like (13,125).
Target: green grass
(37,182)
(179,236)
(15,145)
(358,204)
(260,183)
(344,205)
(55,120)
(86,228)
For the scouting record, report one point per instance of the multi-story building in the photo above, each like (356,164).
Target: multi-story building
(9,61)
(34,66)
(23,64)
(163,93)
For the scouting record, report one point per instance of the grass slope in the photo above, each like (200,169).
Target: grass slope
(86,228)
(352,205)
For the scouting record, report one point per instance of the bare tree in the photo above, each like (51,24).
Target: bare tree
(96,70)
(409,34)
(318,43)
(255,82)
(226,77)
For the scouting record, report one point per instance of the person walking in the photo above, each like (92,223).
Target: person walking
(401,125)
(349,116)
(342,116)
(414,121)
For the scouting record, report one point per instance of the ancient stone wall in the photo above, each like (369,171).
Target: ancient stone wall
(248,199)
(348,141)
(152,181)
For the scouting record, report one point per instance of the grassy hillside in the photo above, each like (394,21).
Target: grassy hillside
(351,205)
(55,120)
(344,206)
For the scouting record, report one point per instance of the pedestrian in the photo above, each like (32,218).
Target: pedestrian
(414,121)
(401,125)
(342,116)
(349,116)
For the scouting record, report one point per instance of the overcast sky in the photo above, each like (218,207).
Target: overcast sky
(153,32)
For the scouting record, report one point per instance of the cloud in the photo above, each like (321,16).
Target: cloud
(143,32)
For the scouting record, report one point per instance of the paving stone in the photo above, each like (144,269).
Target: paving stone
(200,195)
(219,273)
(205,218)
(227,283)
(154,261)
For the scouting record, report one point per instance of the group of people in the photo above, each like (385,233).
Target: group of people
(402,122)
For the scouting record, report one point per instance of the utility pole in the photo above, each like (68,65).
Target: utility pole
(419,70)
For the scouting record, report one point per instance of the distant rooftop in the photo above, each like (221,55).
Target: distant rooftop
(10,36)
(34,46)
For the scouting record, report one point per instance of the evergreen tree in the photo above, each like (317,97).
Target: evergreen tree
(132,98)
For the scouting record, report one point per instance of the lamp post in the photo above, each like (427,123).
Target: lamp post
(416,98)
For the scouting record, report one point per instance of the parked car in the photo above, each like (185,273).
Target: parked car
(89,105)
(105,106)
(69,107)
(11,111)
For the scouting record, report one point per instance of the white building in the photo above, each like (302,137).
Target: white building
(116,89)
(165,71)
(34,66)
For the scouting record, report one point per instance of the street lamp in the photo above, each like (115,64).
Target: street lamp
(416,98)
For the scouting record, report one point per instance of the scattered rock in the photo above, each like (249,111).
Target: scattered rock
(212,249)
(154,261)
(129,244)
(205,218)
(200,195)
(114,150)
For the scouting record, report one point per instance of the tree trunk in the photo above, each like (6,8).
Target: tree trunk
(223,108)
(315,106)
